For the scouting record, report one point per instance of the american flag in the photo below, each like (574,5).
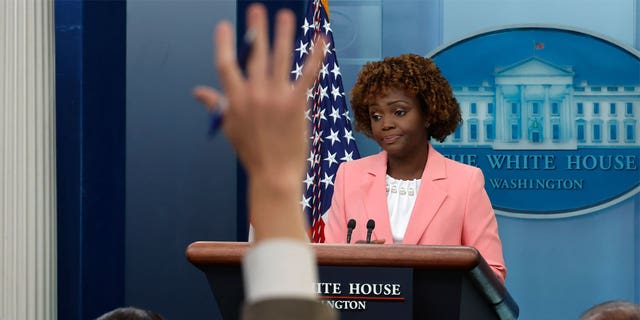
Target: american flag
(331,140)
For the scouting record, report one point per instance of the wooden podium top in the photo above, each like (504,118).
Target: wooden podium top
(394,255)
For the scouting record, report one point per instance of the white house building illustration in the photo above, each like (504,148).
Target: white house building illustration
(535,104)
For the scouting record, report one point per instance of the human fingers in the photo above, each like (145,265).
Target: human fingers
(226,63)
(283,45)
(257,63)
(209,97)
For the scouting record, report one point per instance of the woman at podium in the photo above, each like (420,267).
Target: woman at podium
(412,193)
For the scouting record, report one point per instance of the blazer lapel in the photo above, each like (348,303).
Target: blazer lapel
(376,199)
(429,200)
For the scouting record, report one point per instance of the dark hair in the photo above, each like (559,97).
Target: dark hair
(613,310)
(415,75)
(130,313)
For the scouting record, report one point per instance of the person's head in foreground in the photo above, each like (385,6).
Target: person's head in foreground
(613,310)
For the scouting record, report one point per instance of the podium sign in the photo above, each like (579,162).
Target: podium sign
(367,293)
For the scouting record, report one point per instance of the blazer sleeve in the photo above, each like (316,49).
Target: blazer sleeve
(480,228)
(336,229)
(288,309)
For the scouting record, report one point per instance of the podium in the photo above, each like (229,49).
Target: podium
(376,281)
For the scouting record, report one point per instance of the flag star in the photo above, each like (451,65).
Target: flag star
(306,26)
(297,71)
(327,27)
(327,48)
(331,158)
(311,159)
(347,156)
(322,116)
(309,180)
(333,136)
(348,135)
(335,92)
(335,114)
(305,202)
(327,180)
(336,71)
(302,48)
(310,93)
(323,92)
(306,114)
(346,116)
(324,71)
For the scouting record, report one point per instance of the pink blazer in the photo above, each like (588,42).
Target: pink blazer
(452,207)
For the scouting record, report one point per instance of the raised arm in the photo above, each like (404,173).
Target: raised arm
(264,121)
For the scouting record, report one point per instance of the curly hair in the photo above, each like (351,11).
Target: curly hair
(416,75)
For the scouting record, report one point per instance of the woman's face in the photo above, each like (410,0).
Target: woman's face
(398,124)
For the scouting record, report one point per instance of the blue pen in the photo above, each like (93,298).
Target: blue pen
(243,56)
(216,116)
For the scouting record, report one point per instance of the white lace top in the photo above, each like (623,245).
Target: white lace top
(401,197)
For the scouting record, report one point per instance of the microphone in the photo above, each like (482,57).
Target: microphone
(350,226)
(370,226)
